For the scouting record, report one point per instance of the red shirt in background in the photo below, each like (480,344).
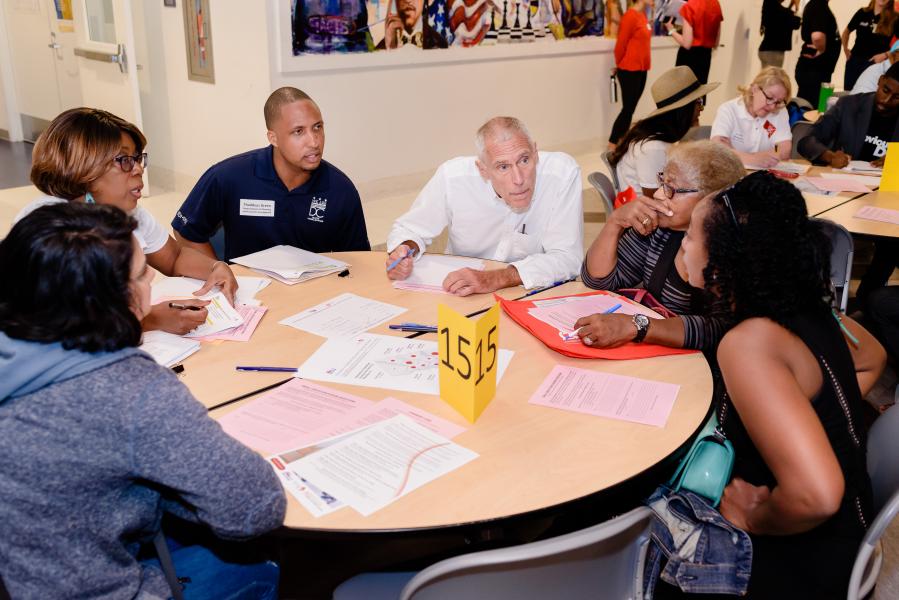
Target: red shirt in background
(632,46)
(705,17)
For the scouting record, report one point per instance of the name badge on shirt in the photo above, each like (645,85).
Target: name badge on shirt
(257,208)
(769,127)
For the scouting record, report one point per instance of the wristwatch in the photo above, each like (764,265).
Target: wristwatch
(641,322)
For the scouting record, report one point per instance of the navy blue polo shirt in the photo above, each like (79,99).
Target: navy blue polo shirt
(244,195)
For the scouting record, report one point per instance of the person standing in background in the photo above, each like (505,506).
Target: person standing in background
(632,61)
(874,28)
(778,24)
(820,50)
(701,34)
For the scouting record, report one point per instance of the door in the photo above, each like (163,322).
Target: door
(105,49)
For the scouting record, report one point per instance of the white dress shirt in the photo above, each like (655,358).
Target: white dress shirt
(544,243)
(149,233)
(747,133)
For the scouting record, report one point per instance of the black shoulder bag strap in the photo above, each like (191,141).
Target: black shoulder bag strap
(663,266)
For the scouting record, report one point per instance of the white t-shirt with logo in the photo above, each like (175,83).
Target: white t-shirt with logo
(641,164)
(747,133)
(149,233)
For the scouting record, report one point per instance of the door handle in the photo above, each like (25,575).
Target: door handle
(119,57)
(54,46)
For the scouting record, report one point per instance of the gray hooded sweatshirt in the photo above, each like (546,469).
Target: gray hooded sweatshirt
(93,448)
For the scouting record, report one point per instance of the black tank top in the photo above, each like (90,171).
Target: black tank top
(817,563)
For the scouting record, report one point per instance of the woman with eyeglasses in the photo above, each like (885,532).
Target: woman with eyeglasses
(795,374)
(640,246)
(755,124)
(92,156)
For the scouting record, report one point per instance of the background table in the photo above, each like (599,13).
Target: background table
(844,214)
(531,457)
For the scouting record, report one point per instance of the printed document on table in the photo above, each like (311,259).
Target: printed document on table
(791,167)
(184,287)
(166,348)
(221,315)
(383,410)
(243,332)
(382,361)
(871,181)
(607,395)
(346,314)
(874,213)
(862,166)
(288,415)
(430,270)
(287,263)
(314,499)
(563,315)
(838,184)
(384,462)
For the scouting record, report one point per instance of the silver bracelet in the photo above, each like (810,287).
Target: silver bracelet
(215,263)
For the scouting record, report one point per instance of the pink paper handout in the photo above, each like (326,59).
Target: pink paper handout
(242,333)
(607,395)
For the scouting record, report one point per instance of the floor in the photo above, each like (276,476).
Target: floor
(384,201)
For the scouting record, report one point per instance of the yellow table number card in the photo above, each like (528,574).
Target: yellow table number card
(469,353)
(889,181)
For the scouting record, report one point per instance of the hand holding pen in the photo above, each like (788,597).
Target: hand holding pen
(178,317)
(606,330)
(399,262)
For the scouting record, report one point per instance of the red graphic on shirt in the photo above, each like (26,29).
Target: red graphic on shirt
(769,127)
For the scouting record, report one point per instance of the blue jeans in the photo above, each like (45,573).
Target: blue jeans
(211,578)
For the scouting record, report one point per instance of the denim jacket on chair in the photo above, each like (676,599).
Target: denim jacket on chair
(700,550)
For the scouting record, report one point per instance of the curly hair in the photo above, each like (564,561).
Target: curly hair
(69,271)
(766,258)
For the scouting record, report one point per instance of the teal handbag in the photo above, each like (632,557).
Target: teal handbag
(707,468)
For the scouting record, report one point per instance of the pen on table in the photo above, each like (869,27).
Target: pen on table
(268,369)
(549,287)
(611,310)
(409,254)
(344,273)
(413,327)
(184,306)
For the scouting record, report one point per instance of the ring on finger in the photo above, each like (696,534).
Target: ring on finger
(588,341)
(644,221)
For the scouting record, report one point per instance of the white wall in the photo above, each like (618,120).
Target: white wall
(383,121)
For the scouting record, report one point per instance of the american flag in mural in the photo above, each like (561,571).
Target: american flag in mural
(467,21)
(438,21)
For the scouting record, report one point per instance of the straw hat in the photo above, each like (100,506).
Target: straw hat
(677,87)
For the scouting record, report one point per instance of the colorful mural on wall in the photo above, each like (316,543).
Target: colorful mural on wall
(341,26)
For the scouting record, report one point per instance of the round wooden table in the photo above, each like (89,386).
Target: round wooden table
(530,457)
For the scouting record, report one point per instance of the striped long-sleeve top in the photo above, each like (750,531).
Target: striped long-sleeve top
(637,258)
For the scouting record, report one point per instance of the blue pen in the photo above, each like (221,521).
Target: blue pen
(613,309)
(400,259)
(549,287)
(268,369)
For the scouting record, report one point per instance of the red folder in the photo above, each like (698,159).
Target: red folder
(549,335)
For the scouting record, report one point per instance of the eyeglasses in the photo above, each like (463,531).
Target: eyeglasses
(670,190)
(126,162)
(771,101)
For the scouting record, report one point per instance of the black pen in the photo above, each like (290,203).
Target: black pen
(184,306)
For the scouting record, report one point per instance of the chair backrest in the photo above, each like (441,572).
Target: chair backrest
(869,558)
(841,254)
(603,561)
(800,130)
(606,190)
(883,450)
(613,174)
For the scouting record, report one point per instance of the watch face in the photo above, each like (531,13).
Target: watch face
(641,320)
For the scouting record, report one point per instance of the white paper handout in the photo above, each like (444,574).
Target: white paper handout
(791,167)
(373,467)
(382,361)
(184,287)
(220,316)
(431,269)
(290,265)
(166,348)
(346,314)
(563,313)
(862,166)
